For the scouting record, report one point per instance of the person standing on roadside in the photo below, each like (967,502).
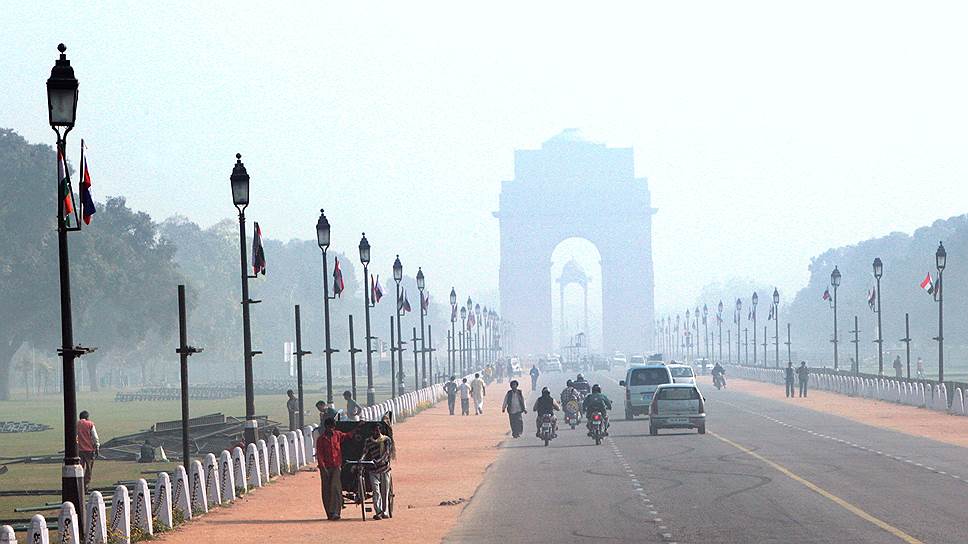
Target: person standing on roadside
(292,406)
(788,375)
(353,410)
(897,366)
(514,406)
(478,391)
(534,377)
(803,374)
(920,368)
(329,460)
(88,445)
(464,391)
(325,412)
(451,389)
(378,448)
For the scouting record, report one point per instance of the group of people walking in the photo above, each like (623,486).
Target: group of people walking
(474,391)
(800,375)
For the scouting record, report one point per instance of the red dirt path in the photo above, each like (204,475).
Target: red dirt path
(439,458)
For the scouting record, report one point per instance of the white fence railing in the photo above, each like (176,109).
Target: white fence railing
(209,483)
(920,394)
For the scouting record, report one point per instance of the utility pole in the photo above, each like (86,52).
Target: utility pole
(907,341)
(299,368)
(788,344)
(416,363)
(856,342)
(353,351)
(184,351)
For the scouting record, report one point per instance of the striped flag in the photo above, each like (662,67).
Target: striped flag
(872,298)
(65,184)
(927,284)
(258,253)
(87,201)
(826,294)
(377,291)
(338,285)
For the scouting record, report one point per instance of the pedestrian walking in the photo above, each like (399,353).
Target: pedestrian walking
(510,369)
(534,377)
(325,412)
(788,379)
(514,406)
(464,391)
(897,366)
(353,410)
(920,368)
(88,445)
(478,391)
(292,406)
(329,460)
(378,448)
(451,389)
(803,375)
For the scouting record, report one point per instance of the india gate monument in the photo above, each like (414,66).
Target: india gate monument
(574,188)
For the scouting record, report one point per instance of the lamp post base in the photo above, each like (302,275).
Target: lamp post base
(72,487)
(251,431)
(370,396)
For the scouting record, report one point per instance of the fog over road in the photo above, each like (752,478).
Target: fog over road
(765,472)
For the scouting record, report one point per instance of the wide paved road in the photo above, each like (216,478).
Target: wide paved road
(765,472)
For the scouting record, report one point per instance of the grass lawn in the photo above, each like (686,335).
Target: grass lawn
(112,419)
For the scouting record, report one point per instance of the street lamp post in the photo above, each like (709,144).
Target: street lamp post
(322,238)
(878,272)
(477,331)
(62,109)
(705,327)
(465,358)
(397,278)
(421,283)
(940,257)
(365,259)
(776,326)
(240,197)
(739,317)
(469,335)
(686,336)
(719,321)
(835,283)
(756,300)
(453,328)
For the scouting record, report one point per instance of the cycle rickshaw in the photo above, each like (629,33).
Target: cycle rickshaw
(356,484)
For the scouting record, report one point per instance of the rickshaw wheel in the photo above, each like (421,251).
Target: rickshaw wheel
(390,495)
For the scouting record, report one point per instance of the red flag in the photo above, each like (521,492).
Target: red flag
(406,303)
(826,294)
(65,184)
(87,201)
(376,292)
(927,284)
(337,278)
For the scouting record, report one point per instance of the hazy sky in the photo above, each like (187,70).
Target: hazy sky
(768,131)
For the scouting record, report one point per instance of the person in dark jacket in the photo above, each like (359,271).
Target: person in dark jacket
(596,402)
(515,408)
(788,375)
(803,374)
(546,404)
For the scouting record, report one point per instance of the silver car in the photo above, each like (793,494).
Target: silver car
(677,406)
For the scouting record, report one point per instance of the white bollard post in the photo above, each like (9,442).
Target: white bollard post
(141,516)
(39,533)
(253,465)
(238,462)
(180,497)
(66,524)
(161,506)
(274,468)
(295,449)
(213,491)
(7,536)
(120,526)
(285,461)
(95,523)
(308,445)
(264,458)
(198,491)
(226,476)
(957,403)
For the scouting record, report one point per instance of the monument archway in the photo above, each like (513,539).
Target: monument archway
(574,188)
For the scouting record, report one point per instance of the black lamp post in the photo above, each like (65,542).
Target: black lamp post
(477,331)
(240,197)
(322,238)
(940,256)
(705,328)
(397,278)
(835,283)
(365,259)
(776,326)
(686,335)
(421,283)
(719,320)
(756,300)
(465,339)
(739,318)
(469,335)
(878,272)
(453,330)
(62,109)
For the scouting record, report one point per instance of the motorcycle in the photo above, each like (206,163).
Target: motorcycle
(572,410)
(719,381)
(547,432)
(596,424)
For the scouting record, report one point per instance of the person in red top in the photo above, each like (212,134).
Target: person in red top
(88,445)
(329,460)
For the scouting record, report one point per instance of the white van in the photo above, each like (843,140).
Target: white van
(640,384)
(682,374)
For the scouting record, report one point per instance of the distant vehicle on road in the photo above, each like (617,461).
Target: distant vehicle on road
(553,365)
(599,362)
(677,406)
(637,360)
(619,360)
(682,374)
(640,384)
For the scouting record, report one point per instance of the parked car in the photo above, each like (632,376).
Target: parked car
(640,384)
(682,374)
(677,406)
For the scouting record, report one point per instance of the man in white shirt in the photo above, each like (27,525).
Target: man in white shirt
(464,391)
(477,392)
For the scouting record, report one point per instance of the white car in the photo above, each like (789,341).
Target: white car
(682,374)
(677,406)
(640,384)
(553,365)
(619,360)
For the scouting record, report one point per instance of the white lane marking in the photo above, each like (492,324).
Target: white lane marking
(844,442)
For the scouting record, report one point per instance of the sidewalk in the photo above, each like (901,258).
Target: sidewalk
(911,420)
(439,458)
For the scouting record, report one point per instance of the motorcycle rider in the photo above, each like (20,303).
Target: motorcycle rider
(546,404)
(719,373)
(596,402)
(569,394)
(581,384)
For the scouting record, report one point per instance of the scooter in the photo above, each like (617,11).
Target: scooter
(596,424)
(547,432)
